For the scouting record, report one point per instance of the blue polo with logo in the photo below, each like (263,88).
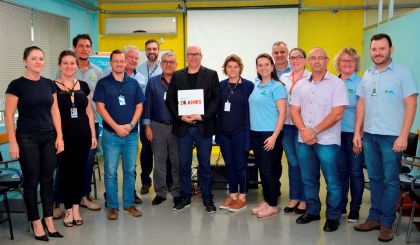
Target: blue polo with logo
(262,105)
(349,115)
(384,93)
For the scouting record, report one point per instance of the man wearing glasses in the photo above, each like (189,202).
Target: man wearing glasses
(158,123)
(131,57)
(195,130)
(317,106)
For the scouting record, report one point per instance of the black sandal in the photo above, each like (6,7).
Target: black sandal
(78,222)
(68,223)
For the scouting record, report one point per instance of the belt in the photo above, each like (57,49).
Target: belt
(164,122)
(194,123)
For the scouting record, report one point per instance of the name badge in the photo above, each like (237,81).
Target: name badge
(73,112)
(374,89)
(164,96)
(227,106)
(121,100)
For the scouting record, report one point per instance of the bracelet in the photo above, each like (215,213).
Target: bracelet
(131,125)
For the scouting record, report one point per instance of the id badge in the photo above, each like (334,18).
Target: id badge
(121,100)
(73,112)
(164,96)
(374,89)
(227,106)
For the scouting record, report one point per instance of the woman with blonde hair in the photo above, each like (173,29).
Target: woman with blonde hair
(350,166)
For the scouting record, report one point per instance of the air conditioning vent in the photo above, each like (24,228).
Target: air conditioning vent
(140,25)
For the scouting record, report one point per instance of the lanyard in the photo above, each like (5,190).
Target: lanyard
(231,90)
(295,78)
(154,69)
(164,82)
(70,91)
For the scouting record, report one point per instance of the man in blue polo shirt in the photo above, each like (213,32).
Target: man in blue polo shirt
(119,100)
(385,110)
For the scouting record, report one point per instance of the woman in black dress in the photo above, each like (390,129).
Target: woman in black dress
(79,135)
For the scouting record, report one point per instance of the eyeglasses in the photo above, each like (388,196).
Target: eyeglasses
(193,54)
(167,62)
(298,57)
(320,58)
(347,61)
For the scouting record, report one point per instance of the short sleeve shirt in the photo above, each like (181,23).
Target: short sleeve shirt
(112,93)
(384,107)
(316,101)
(287,80)
(349,117)
(35,99)
(262,105)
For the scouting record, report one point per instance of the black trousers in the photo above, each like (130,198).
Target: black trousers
(38,161)
(72,164)
(269,165)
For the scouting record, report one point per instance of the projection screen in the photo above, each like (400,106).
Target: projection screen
(245,32)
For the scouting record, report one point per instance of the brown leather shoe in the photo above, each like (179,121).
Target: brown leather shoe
(385,234)
(113,214)
(369,225)
(88,203)
(133,211)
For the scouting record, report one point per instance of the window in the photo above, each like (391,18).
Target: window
(21,27)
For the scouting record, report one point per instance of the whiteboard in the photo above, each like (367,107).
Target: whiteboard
(245,32)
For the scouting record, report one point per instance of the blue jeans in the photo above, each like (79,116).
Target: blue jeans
(115,146)
(350,168)
(383,167)
(235,156)
(312,158)
(290,140)
(267,163)
(185,146)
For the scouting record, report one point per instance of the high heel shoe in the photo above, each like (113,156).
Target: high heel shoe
(291,209)
(51,234)
(40,238)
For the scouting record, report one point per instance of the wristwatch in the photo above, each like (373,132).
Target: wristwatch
(131,125)
(314,131)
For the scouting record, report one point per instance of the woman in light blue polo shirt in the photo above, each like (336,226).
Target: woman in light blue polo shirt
(267,107)
(350,166)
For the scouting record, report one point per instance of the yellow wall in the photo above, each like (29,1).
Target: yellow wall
(331,31)
(315,28)
(323,29)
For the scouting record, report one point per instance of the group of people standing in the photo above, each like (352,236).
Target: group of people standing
(319,120)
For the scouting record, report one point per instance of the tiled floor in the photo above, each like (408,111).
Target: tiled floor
(161,225)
